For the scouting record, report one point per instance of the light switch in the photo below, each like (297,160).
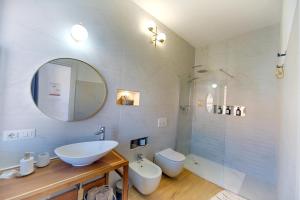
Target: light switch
(162,122)
(26,134)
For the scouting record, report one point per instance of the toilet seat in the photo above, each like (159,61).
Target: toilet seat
(172,155)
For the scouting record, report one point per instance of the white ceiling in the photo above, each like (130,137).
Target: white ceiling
(201,22)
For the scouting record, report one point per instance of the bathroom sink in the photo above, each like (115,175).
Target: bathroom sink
(85,153)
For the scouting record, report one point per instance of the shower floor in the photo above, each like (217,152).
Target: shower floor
(226,195)
(216,173)
(230,179)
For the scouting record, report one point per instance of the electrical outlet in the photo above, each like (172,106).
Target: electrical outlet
(11,135)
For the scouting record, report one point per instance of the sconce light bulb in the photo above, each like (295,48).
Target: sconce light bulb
(151,26)
(214,85)
(161,37)
(79,33)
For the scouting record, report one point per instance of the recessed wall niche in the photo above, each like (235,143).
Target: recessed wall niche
(238,111)
(128,98)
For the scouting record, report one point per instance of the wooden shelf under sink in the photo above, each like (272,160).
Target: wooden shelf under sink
(59,176)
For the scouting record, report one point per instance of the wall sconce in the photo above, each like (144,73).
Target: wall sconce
(79,33)
(156,36)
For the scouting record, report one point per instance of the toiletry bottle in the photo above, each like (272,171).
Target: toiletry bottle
(215,109)
(220,110)
(142,142)
(238,111)
(228,110)
(27,164)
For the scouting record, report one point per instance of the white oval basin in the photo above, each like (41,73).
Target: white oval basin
(85,153)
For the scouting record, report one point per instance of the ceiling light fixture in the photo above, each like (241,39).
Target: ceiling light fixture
(156,36)
(79,33)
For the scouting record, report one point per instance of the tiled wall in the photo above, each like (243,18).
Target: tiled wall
(248,144)
(289,149)
(33,32)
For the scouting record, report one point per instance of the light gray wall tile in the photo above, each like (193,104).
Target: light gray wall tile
(34,32)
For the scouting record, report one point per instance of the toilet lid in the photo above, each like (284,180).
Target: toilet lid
(172,155)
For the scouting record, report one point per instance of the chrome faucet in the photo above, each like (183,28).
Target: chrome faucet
(139,157)
(101,131)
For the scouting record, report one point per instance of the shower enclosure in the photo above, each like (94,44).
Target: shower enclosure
(235,151)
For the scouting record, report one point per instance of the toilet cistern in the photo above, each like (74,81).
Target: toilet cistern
(101,132)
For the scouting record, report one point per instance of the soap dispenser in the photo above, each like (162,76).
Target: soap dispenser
(228,110)
(238,111)
(27,164)
(220,110)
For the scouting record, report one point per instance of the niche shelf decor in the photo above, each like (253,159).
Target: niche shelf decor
(238,111)
(223,108)
(128,98)
(140,142)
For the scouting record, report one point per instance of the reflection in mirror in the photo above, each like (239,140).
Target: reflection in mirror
(68,89)
(209,103)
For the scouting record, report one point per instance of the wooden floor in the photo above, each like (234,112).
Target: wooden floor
(186,186)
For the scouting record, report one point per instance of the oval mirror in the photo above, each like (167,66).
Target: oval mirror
(68,89)
(209,103)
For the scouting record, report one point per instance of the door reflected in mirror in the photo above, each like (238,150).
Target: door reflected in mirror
(68,89)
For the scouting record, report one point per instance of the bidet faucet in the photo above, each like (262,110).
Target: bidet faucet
(101,131)
(139,157)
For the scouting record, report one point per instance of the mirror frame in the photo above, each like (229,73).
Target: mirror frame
(94,68)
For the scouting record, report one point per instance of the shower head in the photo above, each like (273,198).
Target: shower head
(202,71)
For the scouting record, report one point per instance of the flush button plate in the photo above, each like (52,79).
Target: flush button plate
(162,122)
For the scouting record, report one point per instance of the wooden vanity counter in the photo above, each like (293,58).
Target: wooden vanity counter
(58,176)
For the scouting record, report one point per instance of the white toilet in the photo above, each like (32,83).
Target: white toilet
(144,175)
(170,161)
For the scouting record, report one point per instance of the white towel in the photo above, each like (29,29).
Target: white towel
(91,195)
(106,194)
(226,195)
(101,193)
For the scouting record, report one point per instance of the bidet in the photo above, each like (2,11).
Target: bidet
(144,175)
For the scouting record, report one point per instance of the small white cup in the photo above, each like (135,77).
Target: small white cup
(43,159)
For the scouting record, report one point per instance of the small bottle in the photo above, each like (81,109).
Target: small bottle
(238,112)
(228,110)
(215,109)
(220,110)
